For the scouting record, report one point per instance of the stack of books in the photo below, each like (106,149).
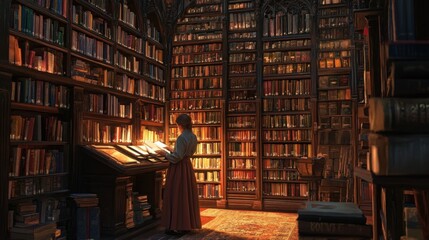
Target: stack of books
(42,231)
(86,216)
(332,220)
(141,208)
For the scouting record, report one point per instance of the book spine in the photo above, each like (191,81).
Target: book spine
(399,154)
(334,229)
(399,114)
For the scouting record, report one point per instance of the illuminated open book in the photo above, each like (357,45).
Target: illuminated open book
(154,146)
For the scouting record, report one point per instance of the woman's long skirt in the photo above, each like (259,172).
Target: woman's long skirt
(181,209)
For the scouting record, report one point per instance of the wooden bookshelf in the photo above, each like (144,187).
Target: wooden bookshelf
(286,106)
(242,107)
(81,73)
(196,88)
(336,106)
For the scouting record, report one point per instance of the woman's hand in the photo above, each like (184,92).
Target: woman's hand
(170,148)
(161,152)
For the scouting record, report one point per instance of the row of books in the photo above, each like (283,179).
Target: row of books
(153,51)
(38,128)
(127,62)
(97,132)
(287,135)
(283,163)
(286,87)
(34,186)
(242,68)
(209,191)
(335,122)
(36,161)
(287,149)
(242,21)
(197,26)
(90,46)
(287,57)
(197,48)
(286,175)
(243,107)
(183,37)
(155,72)
(196,71)
(153,113)
(248,163)
(286,104)
(153,32)
(286,68)
(28,90)
(26,20)
(287,121)
(206,163)
(197,94)
(88,20)
(285,44)
(197,83)
(334,81)
(244,135)
(200,104)
(283,24)
(209,57)
(200,117)
(126,15)
(238,46)
(241,174)
(86,72)
(335,108)
(240,186)
(107,104)
(241,122)
(285,189)
(205,9)
(335,94)
(43,59)
(207,176)
(242,35)
(240,5)
(129,40)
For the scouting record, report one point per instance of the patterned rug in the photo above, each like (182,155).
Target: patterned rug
(240,224)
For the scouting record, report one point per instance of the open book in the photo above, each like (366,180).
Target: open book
(154,146)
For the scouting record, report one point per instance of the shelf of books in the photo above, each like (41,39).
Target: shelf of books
(39,154)
(39,141)
(335,106)
(242,187)
(110,61)
(196,89)
(286,115)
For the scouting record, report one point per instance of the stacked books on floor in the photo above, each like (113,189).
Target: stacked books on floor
(85,216)
(30,220)
(332,220)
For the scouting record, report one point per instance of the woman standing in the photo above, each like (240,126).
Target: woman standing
(181,212)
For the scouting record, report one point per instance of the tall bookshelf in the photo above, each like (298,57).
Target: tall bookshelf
(196,88)
(81,73)
(242,121)
(335,106)
(362,189)
(286,106)
(38,166)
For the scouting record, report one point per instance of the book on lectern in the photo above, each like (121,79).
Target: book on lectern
(155,146)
